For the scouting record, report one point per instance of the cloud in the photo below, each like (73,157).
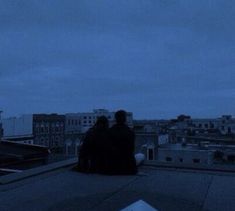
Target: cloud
(156,58)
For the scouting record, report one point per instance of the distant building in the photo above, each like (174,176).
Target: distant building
(49,130)
(184,154)
(18,127)
(225,124)
(45,129)
(81,122)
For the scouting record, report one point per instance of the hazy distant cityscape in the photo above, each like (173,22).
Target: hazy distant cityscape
(180,141)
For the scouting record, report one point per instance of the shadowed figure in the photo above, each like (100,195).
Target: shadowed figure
(121,147)
(109,151)
(93,152)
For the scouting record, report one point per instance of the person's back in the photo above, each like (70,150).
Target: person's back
(99,146)
(122,145)
(92,154)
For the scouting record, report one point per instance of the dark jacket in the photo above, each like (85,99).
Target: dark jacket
(121,153)
(92,154)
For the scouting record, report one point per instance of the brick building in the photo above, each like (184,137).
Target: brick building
(45,129)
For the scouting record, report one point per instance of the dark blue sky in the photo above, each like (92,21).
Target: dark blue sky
(156,58)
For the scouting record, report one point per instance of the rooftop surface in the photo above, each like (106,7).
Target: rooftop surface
(164,189)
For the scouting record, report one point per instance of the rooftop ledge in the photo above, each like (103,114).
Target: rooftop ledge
(19,175)
(56,187)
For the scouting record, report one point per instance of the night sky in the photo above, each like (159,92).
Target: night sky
(156,58)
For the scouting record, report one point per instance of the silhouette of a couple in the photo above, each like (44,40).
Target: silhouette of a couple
(108,150)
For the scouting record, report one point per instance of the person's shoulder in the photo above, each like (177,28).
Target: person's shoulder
(114,127)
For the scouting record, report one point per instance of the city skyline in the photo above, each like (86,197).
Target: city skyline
(134,116)
(157,59)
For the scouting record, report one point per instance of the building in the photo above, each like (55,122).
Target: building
(81,122)
(18,126)
(49,130)
(225,124)
(39,129)
(185,154)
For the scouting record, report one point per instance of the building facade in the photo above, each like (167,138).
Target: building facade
(45,129)
(49,130)
(225,124)
(81,122)
(178,154)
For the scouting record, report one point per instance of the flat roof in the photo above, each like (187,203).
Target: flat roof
(166,190)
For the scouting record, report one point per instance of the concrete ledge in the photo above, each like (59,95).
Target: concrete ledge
(201,167)
(36,171)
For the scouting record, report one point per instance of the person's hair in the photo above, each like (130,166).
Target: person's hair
(120,116)
(102,122)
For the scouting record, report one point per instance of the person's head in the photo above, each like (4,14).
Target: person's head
(102,122)
(120,117)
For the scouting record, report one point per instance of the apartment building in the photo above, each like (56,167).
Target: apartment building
(45,129)
(81,122)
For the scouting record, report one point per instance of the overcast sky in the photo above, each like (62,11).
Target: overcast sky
(156,58)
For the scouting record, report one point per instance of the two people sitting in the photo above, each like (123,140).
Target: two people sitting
(109,150)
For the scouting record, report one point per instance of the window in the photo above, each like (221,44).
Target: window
(231,158)
(150,154)
(196,160)
(168,159)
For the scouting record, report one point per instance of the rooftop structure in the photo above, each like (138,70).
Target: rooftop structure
(46,129)
(21,156)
